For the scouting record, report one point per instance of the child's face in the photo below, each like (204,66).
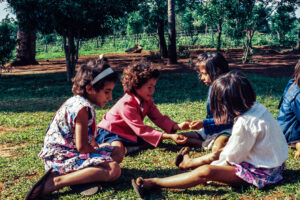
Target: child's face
(103,96)
(204,75)
(147,90)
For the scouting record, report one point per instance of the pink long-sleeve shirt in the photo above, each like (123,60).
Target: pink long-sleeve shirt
(126,117)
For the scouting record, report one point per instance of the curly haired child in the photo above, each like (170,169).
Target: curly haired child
(70,152)
(122,126)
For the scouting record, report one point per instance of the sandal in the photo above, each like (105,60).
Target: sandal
(40,183)
(86,189)
(181,153)
(139,189)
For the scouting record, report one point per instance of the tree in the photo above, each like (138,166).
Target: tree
(73,20)
(134,24)
(283,21)
(154,14)
(7,42)
(172,55)
(26,36)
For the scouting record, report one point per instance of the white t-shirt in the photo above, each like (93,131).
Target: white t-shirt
(256,139)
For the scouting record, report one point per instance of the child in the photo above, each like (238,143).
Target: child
(70,151)
(256,150)
(123,125)
(210,135)
(289,114)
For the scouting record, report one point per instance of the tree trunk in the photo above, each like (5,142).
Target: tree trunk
(162,41)
(298,43)
(171,32)
(219,36)
(102,40)
(212,36)
(70,52)
(25,48)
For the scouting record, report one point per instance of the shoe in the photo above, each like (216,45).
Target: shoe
(86,189)
(181,153)
(40,183)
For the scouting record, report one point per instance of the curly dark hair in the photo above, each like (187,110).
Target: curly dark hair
(86,74)
(136,75)
(215,64)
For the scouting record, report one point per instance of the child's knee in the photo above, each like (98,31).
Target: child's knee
(115,171)
(220,142)
(204,172)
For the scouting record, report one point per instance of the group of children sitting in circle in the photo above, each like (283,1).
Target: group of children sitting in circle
(249,147)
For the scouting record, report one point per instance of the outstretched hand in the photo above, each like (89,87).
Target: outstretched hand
(179,139)
(197,124)
(185,125)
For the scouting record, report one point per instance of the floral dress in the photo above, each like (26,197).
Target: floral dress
(59,150)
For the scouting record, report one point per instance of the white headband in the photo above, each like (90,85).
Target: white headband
(103,74)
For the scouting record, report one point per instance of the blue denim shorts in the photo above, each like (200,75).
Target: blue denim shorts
(104,136)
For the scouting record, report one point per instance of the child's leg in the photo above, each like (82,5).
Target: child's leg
(194,140)
(118,152)
(220,143)
(225,174)
(106,172)
(189,162)
(297,153)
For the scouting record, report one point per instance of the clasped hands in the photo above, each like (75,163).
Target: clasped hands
(189,124)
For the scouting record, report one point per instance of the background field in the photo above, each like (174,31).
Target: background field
(28,102)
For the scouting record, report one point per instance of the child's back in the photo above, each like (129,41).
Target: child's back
(256,139)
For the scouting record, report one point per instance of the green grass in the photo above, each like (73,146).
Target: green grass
(28,102)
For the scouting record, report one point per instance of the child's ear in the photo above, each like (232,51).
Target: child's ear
(89,89)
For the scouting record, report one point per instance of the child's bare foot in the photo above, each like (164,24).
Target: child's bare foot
(179,158)
(142,186)
(186,162)
(297,153)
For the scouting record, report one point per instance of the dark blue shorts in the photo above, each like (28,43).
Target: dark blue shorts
(104,136)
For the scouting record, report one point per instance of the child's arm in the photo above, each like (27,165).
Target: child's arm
(81,132)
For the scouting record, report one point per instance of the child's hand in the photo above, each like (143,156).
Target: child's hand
(198,124)
(185,125)
(175,128)
(179,139)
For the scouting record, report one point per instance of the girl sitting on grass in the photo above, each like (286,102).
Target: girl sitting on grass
(123,127)
(256,150)
(70,151)
(289,111)
(208,134)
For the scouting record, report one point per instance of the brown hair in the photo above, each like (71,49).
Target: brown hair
(136,75)
(231,95)
(86,74)
(215,64)
(297,74)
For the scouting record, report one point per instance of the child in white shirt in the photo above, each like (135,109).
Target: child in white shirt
(256,151)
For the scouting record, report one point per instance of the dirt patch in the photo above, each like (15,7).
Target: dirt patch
(4,130)
(6,151)
(265,61)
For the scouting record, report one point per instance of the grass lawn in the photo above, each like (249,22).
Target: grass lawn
(28,102)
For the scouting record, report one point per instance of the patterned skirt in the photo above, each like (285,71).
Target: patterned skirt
(259,177)
(69,162)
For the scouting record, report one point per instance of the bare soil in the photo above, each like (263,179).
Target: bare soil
(265,61)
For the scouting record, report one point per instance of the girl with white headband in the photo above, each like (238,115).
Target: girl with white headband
(71,155)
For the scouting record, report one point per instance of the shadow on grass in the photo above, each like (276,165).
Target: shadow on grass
(123,185)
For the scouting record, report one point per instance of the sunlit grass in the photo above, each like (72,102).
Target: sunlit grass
(29,102)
